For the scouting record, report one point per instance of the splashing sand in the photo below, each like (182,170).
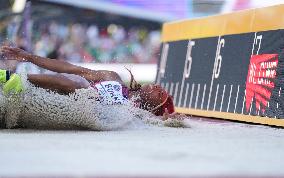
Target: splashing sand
(37,108)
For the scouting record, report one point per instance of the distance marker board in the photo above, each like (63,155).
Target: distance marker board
(228,66)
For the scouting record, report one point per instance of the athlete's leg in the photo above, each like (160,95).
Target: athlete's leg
(57,82)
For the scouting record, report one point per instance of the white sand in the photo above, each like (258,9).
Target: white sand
(137,148)
(207,148)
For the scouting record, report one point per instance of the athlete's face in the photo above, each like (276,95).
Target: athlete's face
(153,95)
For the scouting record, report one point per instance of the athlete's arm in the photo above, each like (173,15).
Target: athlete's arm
(20,55)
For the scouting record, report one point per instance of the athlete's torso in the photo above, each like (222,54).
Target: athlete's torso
(111,92)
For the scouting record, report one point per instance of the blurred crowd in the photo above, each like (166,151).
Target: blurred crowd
(82,43)
(87,44)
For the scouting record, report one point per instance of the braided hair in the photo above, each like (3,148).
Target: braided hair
(133,85)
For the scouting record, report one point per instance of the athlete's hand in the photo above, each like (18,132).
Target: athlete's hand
(12,53)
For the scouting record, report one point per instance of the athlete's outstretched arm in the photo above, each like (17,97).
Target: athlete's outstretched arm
(50,64)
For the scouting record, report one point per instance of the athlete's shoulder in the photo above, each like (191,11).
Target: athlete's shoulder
(107,75)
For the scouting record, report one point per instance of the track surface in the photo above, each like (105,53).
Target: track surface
(206,149)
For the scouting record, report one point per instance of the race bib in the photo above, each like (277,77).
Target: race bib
(110,92)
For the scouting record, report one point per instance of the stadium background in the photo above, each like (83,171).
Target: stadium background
(101,34)
(111,35)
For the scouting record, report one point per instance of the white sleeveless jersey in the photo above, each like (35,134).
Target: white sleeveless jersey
(110,92)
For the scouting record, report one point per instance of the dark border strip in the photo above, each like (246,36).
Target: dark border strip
(233,117)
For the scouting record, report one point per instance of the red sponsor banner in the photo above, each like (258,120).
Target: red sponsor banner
(260,80)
